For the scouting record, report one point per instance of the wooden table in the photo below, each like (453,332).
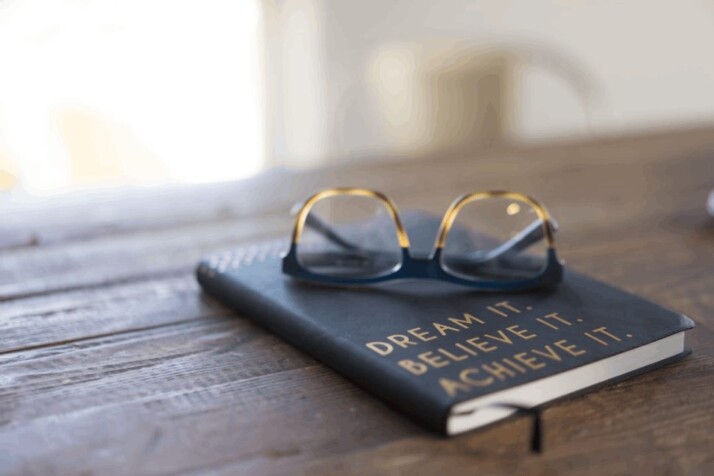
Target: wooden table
(113,362)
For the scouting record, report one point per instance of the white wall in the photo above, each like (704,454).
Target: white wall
(644,63)
(104,92)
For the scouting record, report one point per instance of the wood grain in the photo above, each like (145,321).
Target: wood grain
(113,362)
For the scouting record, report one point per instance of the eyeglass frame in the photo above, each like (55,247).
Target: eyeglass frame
(430,267)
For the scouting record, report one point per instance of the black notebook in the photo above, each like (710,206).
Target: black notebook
(453,358)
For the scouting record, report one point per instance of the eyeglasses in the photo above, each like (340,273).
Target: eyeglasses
(493,240)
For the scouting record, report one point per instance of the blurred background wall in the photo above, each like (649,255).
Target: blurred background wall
(523,70)
(96,92)
(99,92)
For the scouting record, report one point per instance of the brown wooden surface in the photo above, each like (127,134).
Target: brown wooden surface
(113,362)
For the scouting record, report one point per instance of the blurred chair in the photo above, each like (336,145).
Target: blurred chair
(460,97)
(431,98)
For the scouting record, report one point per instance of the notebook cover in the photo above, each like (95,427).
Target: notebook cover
(425,346)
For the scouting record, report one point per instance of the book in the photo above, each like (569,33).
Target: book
(451,357)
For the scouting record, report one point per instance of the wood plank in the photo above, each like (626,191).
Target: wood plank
(105,261)
(176,397)
(30,221)
(83,314)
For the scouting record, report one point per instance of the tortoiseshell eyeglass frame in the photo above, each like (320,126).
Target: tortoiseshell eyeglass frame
(432,266)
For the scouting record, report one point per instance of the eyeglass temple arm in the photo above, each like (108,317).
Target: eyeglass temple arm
(530,235)
(326,230)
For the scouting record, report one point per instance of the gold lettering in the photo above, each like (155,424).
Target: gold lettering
(503,337)
(522,333)
(569,348)
(529,361)
(599,341)
(603,330)
(455,358)
(451,387)
(435,361)
(497,370)
(515,365)
(421,335)
(546,323)
(465,377)
(401,340)
(496,311)
(548,353)
(382,348)
(482,346)
(442,328)
(506,305)
(557,317)
(466,322)
(415,368)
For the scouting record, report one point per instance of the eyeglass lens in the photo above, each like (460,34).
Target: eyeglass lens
(495,239)
(349,236)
